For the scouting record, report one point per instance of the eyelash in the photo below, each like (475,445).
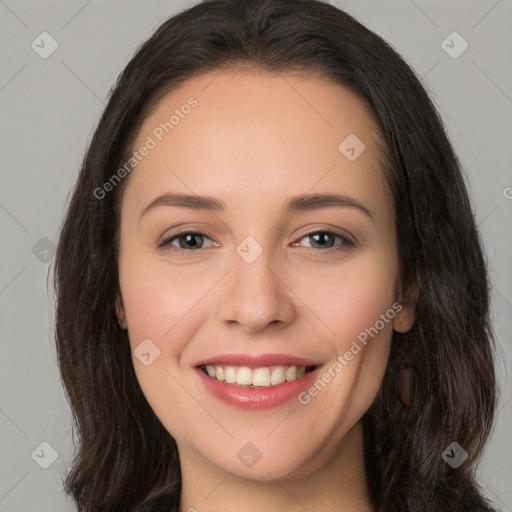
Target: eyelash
(165,244)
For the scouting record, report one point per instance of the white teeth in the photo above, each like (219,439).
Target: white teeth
(261,377)
(219,373)
(230,374)
(291,374)
(278,376)
(244,376)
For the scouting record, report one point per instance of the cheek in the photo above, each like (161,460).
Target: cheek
(161,305)
(351,299)
(158,297)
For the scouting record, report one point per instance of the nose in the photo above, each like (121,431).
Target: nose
(256,296)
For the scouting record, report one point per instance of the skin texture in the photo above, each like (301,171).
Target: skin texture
(254,140)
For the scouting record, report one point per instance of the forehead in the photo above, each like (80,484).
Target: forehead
(252,133)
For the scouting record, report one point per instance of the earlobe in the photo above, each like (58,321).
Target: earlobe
(121,317)
(404,318)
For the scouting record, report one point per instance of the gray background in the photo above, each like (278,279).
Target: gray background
(49,109)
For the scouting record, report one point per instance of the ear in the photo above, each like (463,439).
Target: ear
(121,316)
(405,316)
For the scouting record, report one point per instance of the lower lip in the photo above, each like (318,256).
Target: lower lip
(255,397)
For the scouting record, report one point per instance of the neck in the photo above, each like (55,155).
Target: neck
(337,483)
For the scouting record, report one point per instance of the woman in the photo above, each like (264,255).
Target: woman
(216,355)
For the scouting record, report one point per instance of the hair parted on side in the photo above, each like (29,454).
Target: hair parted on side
(125,458)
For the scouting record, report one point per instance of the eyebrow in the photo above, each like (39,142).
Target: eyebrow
(296,203)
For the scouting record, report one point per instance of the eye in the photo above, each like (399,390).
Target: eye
(327,238)
(188,241)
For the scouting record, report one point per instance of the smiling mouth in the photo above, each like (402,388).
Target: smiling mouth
(265,376)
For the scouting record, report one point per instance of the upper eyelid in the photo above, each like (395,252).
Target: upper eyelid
(168,238)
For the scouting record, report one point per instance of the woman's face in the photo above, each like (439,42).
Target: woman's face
(289,302)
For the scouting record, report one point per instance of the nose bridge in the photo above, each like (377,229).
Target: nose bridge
(255,295)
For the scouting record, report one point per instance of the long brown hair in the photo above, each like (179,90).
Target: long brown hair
(125,459)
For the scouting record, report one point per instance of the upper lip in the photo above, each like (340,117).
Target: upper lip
(258,360)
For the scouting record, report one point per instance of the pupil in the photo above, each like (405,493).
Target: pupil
(188,238)
(320,235)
